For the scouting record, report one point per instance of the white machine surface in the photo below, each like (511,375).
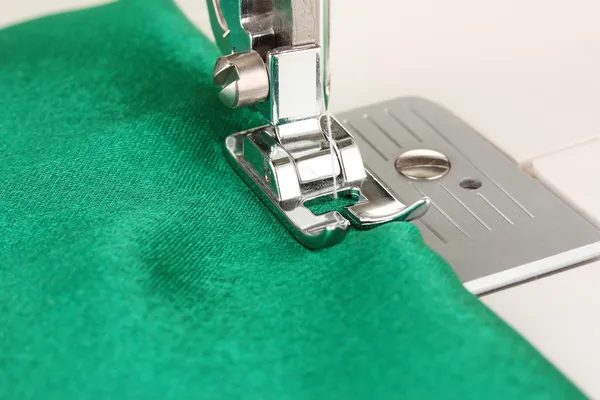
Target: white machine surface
(521,72)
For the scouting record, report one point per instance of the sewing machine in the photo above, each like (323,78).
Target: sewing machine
(551,312)
(400,160)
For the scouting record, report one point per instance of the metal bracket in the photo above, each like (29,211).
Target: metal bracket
(274,176)
(278,64)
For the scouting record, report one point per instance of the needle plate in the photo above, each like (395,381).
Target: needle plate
(492,222)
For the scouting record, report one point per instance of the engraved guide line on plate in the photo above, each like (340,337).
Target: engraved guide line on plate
(495,209)
(358,133)
(466,207)
(430,125)
(433,203)
(401,123)
(381,129)
(435,233)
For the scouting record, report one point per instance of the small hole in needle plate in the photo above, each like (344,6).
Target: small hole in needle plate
(470,183)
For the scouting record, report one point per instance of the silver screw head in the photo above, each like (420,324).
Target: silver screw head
(422,164)
(243,78)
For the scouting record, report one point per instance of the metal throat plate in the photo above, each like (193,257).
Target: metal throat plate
(508,230)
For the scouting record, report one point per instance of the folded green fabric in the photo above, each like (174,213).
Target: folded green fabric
(134,263)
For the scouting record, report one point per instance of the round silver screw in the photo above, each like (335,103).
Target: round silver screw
(243,78)
(422,164)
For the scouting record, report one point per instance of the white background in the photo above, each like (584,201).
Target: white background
(525,73)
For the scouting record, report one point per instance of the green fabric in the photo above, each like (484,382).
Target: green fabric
(134,263)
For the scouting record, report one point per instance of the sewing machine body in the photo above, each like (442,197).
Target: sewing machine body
(491,221)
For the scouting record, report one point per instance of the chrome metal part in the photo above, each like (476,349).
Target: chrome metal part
(263,25)
(276,59)
(242,25)
(492,222)
(296,87)
(422,164)
(243,78)
(270,171)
